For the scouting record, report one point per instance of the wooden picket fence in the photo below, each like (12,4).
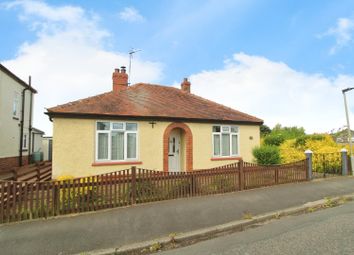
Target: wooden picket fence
(22,200)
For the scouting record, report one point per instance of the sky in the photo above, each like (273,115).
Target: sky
(282,61)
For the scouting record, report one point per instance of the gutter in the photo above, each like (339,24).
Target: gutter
(52,115)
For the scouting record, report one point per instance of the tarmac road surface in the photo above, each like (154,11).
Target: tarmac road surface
(329,231)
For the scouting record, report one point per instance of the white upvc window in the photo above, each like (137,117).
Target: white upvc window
(16,104)
(116,141)
(225,141)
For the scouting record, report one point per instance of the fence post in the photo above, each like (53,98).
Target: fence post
(241,175)
(276,175)
(14,172)
(56,198)
(344,161)
(133,186)
(308,154)
(38,170)
(194,183)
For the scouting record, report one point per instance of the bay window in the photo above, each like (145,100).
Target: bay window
(116,141)
(225,141)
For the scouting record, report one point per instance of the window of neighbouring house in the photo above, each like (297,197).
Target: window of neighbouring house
(24,142)
(225,141)
(116,141)
(15,104)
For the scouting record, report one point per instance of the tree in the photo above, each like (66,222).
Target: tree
(265,130)
(288,132)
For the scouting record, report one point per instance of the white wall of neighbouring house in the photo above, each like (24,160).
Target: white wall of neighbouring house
(37,142)
(45,147)
(11,91)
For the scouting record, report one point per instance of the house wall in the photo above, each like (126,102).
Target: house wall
(45,147)
(74,146)
(37,142)
(9,124)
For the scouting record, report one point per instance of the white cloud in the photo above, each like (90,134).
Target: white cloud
(131,14)
(276,93)
(342,32)
(68,60)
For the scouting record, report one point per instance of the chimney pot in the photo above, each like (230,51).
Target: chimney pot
(186,86)
(120,79)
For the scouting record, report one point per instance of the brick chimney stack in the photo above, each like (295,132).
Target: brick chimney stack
(186,86)
(120,79)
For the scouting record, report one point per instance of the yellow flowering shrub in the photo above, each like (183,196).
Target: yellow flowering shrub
(65,177)
(79,195)
(290,151)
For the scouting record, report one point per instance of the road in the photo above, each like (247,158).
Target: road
(329,231)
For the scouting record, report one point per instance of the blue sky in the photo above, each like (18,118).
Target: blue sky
(264,49)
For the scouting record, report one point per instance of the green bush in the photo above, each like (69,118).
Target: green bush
(267,154)
(274,139)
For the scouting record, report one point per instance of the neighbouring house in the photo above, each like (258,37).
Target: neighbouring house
(341,136)
(16,131)
(37,137)
(47,142)
(148,126)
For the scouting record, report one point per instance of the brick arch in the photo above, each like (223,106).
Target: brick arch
(188,136)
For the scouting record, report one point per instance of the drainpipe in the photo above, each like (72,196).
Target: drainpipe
(22,122)
(30,123)
(21,126)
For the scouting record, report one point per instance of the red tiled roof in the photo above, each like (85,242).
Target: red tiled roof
(148,100)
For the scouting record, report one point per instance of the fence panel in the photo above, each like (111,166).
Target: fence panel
(292,172)
(41,171)
(260,176)
(29,200)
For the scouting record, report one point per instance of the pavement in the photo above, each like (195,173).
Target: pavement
(329,231)
(122,226)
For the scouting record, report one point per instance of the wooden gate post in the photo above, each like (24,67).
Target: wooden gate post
(133,185)
(276,175)
(38,173)
(194,183)
(56,198)
(308,154)
(241,176)
(344,157)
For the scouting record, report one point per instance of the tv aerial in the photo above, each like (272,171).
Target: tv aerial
(131,52)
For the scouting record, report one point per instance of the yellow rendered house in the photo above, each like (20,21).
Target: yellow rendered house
(149,126)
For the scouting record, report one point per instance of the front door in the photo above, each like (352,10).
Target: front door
(174,151)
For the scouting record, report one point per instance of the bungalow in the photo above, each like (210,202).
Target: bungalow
(148,126)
